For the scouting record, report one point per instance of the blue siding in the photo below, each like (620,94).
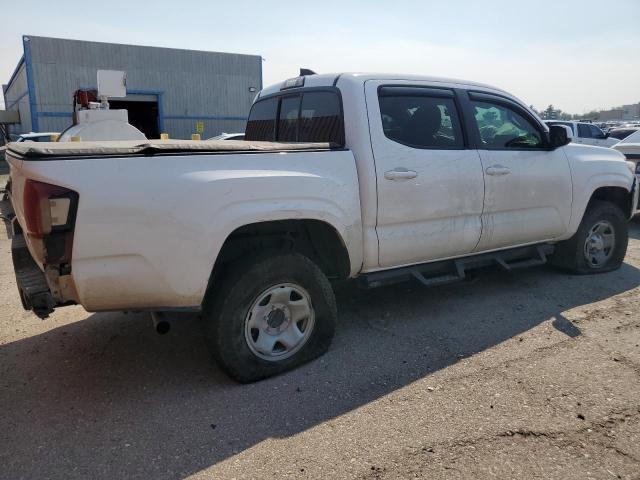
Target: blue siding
(190,85)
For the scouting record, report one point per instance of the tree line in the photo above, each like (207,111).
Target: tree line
(555,113)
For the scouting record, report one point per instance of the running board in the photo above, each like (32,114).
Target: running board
(449,271)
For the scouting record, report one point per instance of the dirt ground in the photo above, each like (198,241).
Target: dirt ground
(528,375)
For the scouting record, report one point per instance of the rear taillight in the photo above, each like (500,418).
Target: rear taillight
(49,212)
(47,208)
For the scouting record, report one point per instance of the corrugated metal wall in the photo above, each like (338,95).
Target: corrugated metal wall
(190,86)
(16,98)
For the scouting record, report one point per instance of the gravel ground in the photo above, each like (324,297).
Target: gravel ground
(529,375)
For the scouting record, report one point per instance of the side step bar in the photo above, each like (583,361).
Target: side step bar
(449,271)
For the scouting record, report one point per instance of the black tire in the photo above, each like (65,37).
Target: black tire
(228,304)
(570,254)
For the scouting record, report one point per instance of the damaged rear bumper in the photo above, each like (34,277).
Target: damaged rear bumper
(32,283)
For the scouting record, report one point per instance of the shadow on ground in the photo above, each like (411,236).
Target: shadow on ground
(106,397)
(634,228)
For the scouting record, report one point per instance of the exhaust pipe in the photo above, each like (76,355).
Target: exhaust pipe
(160,323)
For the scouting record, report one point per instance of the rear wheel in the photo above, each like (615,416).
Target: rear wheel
(270,314)
(599,245)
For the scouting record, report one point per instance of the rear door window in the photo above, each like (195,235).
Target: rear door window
(421,121)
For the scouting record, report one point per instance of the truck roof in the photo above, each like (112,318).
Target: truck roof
(328,79)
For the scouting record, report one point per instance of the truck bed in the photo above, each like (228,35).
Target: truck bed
(46,150)
(150,218)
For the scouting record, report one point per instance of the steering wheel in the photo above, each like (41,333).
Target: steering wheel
(518,140)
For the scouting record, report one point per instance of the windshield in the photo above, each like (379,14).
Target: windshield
(621,133)
(633,138)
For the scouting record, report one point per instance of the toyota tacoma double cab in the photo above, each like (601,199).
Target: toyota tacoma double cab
(377,177)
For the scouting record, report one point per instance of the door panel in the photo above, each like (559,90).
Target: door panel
(429,197)
(530,203)
(528,188)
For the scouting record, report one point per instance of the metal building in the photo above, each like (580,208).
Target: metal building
(168,90)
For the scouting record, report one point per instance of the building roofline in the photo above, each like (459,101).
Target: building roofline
(6,86)
(144,46)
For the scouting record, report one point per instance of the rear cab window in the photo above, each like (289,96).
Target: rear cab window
(261,125)
(288,119)
(312,115)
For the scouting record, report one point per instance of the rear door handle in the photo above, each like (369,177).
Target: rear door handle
(497,170)
(400,174)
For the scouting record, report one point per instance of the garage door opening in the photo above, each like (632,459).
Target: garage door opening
(142,114)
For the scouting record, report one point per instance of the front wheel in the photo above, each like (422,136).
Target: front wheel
(271,313)
(599,245)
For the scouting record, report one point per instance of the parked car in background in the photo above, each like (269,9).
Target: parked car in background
(622,132)
(586,133)
(36,137)
(610,125)
(228,136)
(630,148)
(27,137)
(380,177)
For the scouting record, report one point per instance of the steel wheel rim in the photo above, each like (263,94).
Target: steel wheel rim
(600,243)
(279,322)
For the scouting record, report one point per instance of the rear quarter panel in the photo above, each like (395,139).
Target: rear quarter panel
(149,228)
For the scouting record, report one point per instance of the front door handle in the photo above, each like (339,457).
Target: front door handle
(400,174)
(497,170)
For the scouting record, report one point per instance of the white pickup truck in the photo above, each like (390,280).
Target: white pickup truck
(381,177)
(586,133)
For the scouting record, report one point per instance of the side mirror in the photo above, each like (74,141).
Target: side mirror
(560,135)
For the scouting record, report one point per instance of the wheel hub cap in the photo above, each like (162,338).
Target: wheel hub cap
(277,318)
(279,322)
(599,244)
(596,243)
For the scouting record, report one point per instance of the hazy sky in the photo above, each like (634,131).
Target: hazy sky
(578,55)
